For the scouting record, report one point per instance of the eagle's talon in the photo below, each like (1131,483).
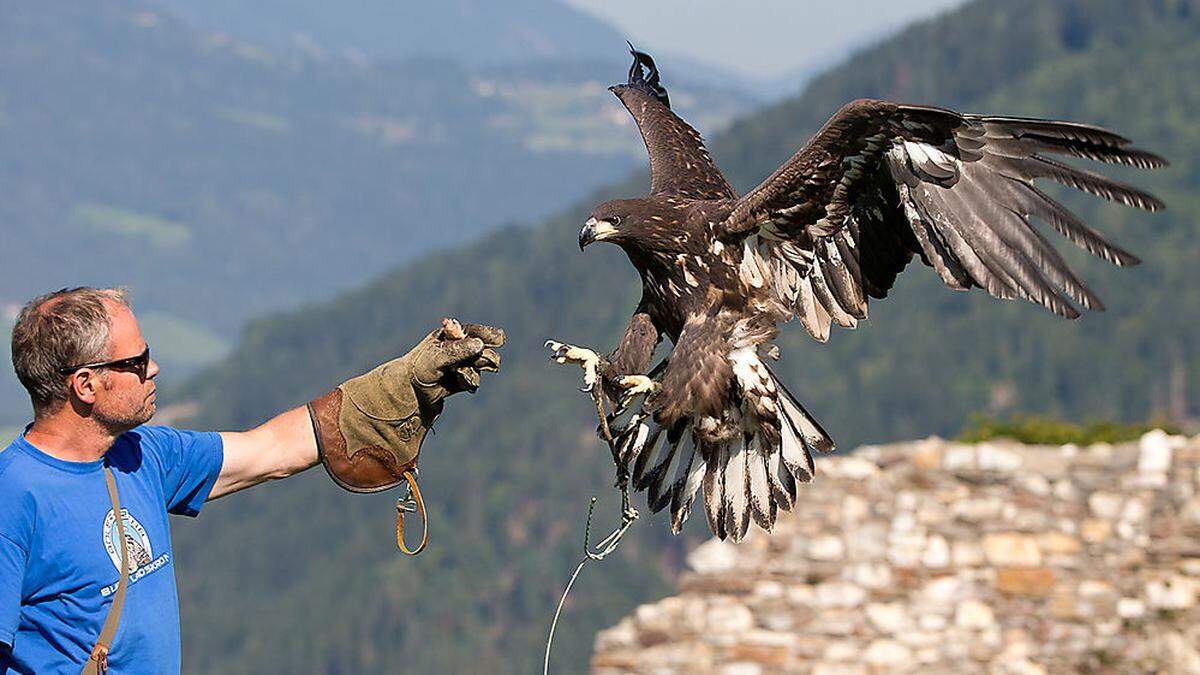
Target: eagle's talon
(634,386)
(637,384)
(585,358)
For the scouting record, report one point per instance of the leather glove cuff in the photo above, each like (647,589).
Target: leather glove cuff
(369,429)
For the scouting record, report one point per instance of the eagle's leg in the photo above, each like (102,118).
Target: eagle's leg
(587,359)
(631,358)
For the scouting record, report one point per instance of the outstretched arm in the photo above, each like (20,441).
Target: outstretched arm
(408,392)
(281,447)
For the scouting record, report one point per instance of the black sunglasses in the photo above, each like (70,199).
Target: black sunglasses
(137,364)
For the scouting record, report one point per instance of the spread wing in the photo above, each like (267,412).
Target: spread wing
(679,163)
(881,182)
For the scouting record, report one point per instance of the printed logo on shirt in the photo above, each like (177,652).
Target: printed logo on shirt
(141,556)
(136,541)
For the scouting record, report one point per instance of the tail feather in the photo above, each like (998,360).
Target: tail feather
(678,460)
(737,491)
(762,502)
(634,437)
(714,490)
(783,484)
(684,493)
(810,430)
(794,452)
(750,477)
(650,455)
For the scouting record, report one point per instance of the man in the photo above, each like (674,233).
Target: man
(89,374)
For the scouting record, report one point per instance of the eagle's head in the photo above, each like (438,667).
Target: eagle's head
(607,222)
(629,223)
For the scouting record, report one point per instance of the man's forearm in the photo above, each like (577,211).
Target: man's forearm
(281,447)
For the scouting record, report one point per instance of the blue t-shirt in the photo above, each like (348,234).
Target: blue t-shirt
(59,555)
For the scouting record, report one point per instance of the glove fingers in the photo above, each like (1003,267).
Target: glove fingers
(491,335)
(454,352)
(467,378)
(488,361)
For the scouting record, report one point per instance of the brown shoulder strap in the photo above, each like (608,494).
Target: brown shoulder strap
(97,663)
(402,506)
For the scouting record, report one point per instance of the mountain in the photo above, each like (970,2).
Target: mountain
(220,180)
(533,34)
(470,31)
(301,576)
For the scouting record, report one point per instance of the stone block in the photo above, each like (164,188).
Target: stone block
(942,592)
(827,548)
(967,554)
(1057,543)
(1106,505)
(713,555)
(1172,593)
(889,654)
(772,656)
(974,615)
(1095,531)
(869,575)
(995,457)
(850,468)
(978,509)
(889,617)
(867,542)
(824,668)
(937,552)
(928,457)
(842,650)
(1012,549)
(1024,581)
(839,594)
(1154,457)
(740,668)
(959,457)
(854,509)
(1131,608)
(1063,603)
(729,617)
(932,622)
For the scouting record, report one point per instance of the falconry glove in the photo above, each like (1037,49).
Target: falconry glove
(369,429)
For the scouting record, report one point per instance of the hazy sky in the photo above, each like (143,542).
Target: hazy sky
(766,38)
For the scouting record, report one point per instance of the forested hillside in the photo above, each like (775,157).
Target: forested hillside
(220,180)
(303,577)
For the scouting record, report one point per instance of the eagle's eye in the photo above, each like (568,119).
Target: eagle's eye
(616,220)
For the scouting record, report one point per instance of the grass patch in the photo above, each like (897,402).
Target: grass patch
(1038,430)
(180,342)
(102,218)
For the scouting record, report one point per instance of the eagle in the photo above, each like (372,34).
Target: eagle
(879,184)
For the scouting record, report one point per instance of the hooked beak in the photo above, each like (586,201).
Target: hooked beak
(595,230)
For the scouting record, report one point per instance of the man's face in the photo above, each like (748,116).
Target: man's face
(124,400)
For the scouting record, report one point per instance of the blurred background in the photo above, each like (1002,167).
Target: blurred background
(296,190)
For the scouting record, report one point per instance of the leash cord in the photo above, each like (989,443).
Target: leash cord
(608,544)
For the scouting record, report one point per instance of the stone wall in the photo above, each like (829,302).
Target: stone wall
(938,557)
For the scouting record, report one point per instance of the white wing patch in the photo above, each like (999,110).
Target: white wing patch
(753,271)
(928,163)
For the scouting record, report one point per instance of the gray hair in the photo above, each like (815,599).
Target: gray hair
(60,329)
